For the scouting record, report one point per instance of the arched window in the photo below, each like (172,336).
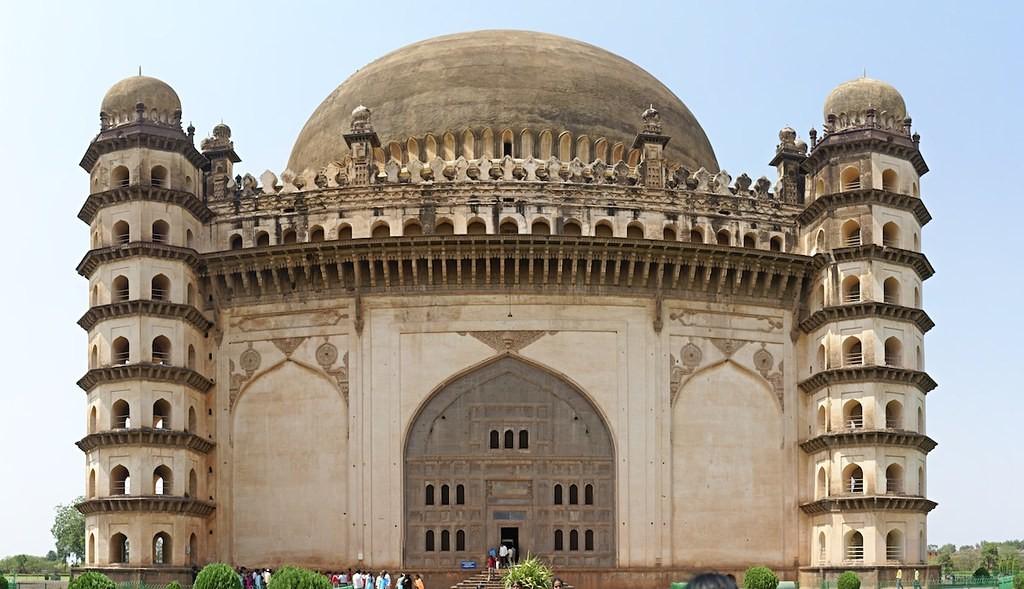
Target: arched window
(191,426)
(190,294)
(120,351)
(920,420)
(460,494)
(161,414)
(94,357)
(162,548)
(495,439)
(891,235)
(822,551)
(853,479)
(193,549)
(588,540)
(635,231)
(316,233)
(851,233)
(191,363)
(913,189)
(120,415)
(120,481)
(446,541)
(506,143)
(92,420)
(510,439)
(775,244)
(193,484)
(162,480)
(851,289)
(750,241)
(819,241)
(894,415)
(119,177)
(920,481)
(917,297)
(559,540)
(90,551)
(723,237)
(428,495)
(822,420)
(819,187)
(158,176)
(853,415)
(460,541)
(476,227)
(508,226)
(160,288)
(603,229)
(821,484)
(894,479)
(588,494)
(161,232)
(822,358)
(445,495)
(262,239)
(696,235)
(850,178)
(540,227)
(189,239)
(890,181)
(574,495)
(572,228)
(235,242)
(524,439)
(92,483)
(891,291)
(161,350)
(558,494)
(853,352)
(893,352)
(119,289)
(444,228)
(119,549)
(574,540)
(669,234)
(122,233)
(412,228)
(894,546)
(428,541)
(289,236)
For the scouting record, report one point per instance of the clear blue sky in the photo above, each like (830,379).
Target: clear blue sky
(744,69)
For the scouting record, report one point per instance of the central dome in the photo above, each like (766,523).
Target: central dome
(501,80)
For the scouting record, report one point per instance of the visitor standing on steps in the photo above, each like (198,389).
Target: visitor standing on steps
(503,555)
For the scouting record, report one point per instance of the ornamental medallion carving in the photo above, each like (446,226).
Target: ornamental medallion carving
(764,362)
(326,355)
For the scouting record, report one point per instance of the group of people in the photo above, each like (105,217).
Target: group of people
(502,556)
(260,579)
(254,579)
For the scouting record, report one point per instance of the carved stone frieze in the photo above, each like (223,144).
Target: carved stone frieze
(288,345)
(508,341)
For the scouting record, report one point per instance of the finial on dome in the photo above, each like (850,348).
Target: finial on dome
(361,122)
(219,140)
(652,120)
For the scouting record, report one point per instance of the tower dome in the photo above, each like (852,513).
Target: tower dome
(160,101)
(850,102)
(501,80)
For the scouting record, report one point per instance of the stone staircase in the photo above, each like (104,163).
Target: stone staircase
(479,581)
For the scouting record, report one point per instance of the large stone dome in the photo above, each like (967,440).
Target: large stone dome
(851,100)
(501,79)
(161,102)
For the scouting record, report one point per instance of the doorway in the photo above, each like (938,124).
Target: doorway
(510,537)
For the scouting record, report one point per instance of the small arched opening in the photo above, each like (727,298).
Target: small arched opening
(446,541)
(696,235)
(822,548)
(855,547)
(572,228)
(476,227)
(669,234)
(574,495)
(412,229)
(894,546)
(235,242)
(193,549)
(920,420)
(851,233)
(119,177)
(428,541)
(193,484)
(894,479)
(574,540)
(93,416)
(495,440)
(262,239)
(119,549)
(524,439)
(316,233)
(92,483)
(775,244)
(510,439)
(460,494)
(446,495)
(119,289)
(853,479)
(891,291)
(893,352)
(90,550)
(588,540)
(850,178)
(558,492)
(158,176)
(819,187)
(190,294)
(851,289)
(345,232)
(161,414)
(428,495)
(603,229)
(559,540)
(444,227)
(460,541)
(122,233)
(162,480)
(120,415)
(822,420)
(94,357)
(540,227)
(821,484)
(160,288)
(508,227)
(588,494)
(724,237)
(120,481)
(635,231)
(853,415)
(120,351)
(190,362)
(750,241)
(191,425)
(189,239)
(161,350)
(920,481)
(289,236)
(160,231)
(822,359)
(162,548)
(894,415)
(891,234)
(890,180)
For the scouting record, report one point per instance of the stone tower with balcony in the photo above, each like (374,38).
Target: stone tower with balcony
(862,373)
(149,494)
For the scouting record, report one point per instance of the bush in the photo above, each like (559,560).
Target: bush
(91,580)
(217,576)
(848,580)
(291,577)
(981,572)
(3,583)
(1018,581)
(760,578)
(173,585)
(530,573)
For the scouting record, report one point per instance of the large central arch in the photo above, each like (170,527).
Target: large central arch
(552,491)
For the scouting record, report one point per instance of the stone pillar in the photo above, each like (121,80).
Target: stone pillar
(789,155)
(361,141)
(220,150)
(652,145)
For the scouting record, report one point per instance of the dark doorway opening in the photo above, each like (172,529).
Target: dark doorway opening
(510,538)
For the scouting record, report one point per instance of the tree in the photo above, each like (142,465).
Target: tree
(52,555)
(989,555)
(69,531)
(945,562)
(20,561)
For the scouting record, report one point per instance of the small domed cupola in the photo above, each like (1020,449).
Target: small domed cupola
(865,102)
(140,99)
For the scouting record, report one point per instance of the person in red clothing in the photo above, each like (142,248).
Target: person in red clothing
(490,566)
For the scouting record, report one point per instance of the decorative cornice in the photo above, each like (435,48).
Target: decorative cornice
(868,373)
(868,196)
(869,437)
(93,258)
(141,307)
(145,371)
(862,140)
(138,192)
(187,506)
(504,263)
(867,309)
(145,436)
(869,503)
(142,136)
(871,251)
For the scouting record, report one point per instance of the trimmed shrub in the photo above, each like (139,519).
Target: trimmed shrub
(981,572)
(173,585)
(530,573)
(217,576)
(848,580)
(760,578)
(3,582)
(291,577)
(92,580)
(1018,581)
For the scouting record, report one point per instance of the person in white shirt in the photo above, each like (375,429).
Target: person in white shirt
(503,554)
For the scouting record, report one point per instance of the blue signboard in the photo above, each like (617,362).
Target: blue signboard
(467,564)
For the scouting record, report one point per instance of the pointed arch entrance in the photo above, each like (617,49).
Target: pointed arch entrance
(510,490)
